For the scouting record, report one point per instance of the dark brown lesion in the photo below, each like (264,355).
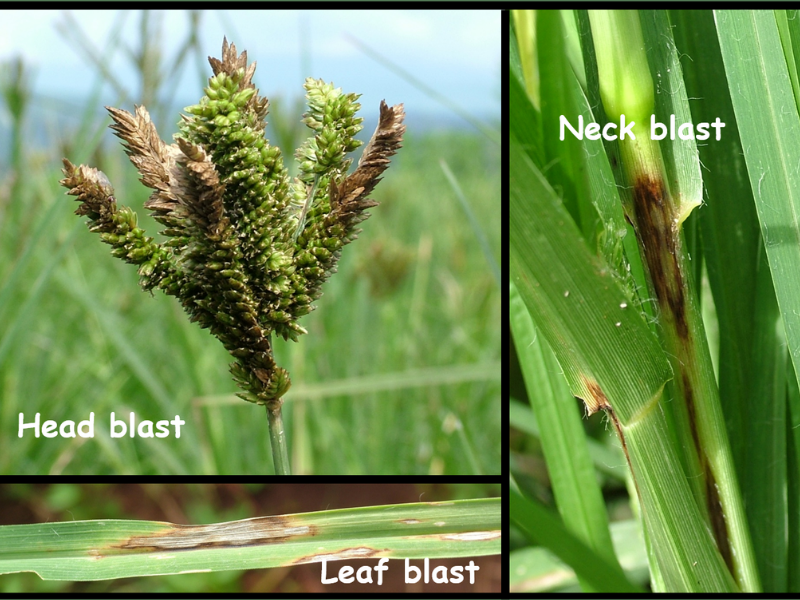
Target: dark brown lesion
(713,504)
(658,238)
(718,524)
(688,397)
(621,434)
(660,244)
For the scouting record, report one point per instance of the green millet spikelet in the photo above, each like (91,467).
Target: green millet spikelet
(247,249)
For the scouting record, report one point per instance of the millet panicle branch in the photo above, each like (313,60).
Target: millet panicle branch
(247,248)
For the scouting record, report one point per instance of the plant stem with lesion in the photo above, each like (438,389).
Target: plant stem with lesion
(656,215)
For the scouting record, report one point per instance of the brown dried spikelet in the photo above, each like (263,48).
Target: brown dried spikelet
(204,192)
(230,64)
(152,157)
(351,197)
(92,188)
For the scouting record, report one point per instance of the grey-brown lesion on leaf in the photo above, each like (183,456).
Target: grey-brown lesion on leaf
(233,534)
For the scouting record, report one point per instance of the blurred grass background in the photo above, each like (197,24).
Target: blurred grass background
(400,371)
(195,504)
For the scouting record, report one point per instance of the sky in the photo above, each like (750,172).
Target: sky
(455,54)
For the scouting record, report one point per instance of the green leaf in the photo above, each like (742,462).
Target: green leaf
(535,569)
(766,113)
(609,357)
(579,499)
(769,126)
(604,458)
(544,528)
(576,301)
(109,549)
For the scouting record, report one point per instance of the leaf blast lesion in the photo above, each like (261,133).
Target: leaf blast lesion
(232,534)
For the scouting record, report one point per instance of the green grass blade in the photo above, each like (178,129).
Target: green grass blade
(766,111)
(766,471)
(770,130)
(793,487)
(527,122)
(473,220)
(703,428)
(680,156)
(577,494)
(788,31)
(605,171)
(729,208)
(604,458)
(546,529)
(564,158)
(522,53)
(575,301)
(383,382)
(534,569)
